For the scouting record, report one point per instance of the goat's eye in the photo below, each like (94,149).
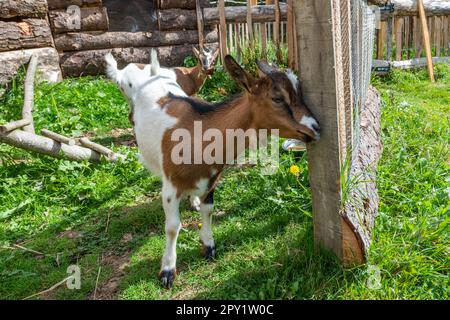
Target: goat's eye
(130,85)
(278,100)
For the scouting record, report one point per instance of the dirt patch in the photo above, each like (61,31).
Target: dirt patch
(108,289)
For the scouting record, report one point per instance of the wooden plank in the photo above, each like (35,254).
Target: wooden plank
(398,37)
(389,31)
(238,42)
(446,35)
(381,40)
(438,36)
(222,30)
(426,39)
(417,38)
(407,36)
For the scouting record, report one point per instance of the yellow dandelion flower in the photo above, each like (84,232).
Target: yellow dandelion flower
(295,170)
(199,225)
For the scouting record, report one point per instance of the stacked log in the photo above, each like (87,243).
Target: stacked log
(92,62)
(24,31)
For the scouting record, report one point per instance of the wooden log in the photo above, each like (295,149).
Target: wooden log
(92,19)
(58,137)
(14,125)
(26,34)
(31,142)
(28,100)
(48,65)
(23,8)
(409,8)
(108,40)
(180,4)
(91,62)
(177,19)
(63,4)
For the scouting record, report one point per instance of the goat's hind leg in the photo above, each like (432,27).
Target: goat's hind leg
(206,235)
(171,205)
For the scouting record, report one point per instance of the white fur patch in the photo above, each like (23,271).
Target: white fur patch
(293,78)
(310,122)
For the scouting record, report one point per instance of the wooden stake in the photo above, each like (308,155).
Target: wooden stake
(201,39)
(426,39)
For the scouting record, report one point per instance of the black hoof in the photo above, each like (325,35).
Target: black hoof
(167,277)
(209,252)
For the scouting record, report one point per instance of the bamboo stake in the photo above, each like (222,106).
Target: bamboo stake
(426,39)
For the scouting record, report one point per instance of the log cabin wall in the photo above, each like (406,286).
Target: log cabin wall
(25,30)
(127,28)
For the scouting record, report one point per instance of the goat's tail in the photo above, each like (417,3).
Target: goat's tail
(155,66)
(111,66)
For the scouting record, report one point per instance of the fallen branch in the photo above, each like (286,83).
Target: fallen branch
(31,142)
(29,94)
(111,155)
(58,137)
(14,125)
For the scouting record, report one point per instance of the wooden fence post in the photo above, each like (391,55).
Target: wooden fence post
(324,50)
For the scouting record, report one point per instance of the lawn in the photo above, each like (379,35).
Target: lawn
(107,218)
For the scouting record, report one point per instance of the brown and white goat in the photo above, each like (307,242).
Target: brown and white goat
(190,79)
(272,101)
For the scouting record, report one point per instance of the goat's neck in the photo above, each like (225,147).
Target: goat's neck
(237,115)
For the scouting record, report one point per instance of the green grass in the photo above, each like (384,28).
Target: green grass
(263,227)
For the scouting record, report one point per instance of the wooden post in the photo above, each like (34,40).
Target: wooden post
(324,50)
(426,39)
(250,22)
(198,8)
(380,40)
(223,30)
(446,24)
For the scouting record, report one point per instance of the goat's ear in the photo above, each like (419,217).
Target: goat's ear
(111,66)
(238,74)
(196,52)
(265,69)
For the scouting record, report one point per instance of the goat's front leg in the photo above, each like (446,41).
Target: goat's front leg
(171,205)
(206,235)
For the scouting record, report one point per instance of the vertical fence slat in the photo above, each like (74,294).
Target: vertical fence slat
(446,32)
(438,35)
(290,34)
(250,22)
(276,30)
(198,8)
(223,30)
(263,41)
(398,38)
(380,40)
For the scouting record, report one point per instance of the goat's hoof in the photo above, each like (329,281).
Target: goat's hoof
(209,252)
(167,277)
